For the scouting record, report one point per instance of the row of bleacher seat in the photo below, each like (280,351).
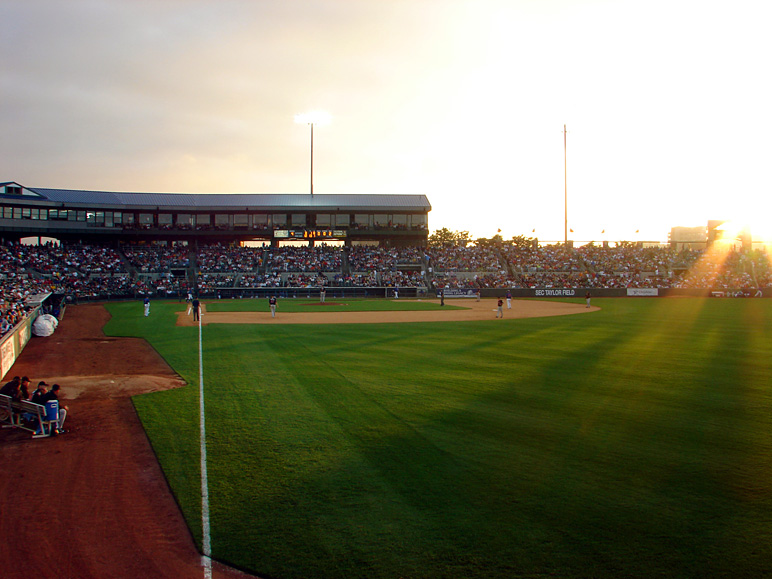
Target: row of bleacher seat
(137,270)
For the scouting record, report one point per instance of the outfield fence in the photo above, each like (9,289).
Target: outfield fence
(14,341)
(609,292)
(335,293)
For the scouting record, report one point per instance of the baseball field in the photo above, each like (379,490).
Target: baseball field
(633,440)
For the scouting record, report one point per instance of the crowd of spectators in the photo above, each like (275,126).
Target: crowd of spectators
(629,259)
(51,258)
(457,259)
(305,280)
(103,272)
(212,282)
(157,258)
(304,259)
(724,270)
(400,278)
(218,258)
(543,258)
(260,280)
(365,258)
(13,307)
(369,279)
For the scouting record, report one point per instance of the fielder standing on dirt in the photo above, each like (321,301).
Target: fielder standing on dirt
(272,303)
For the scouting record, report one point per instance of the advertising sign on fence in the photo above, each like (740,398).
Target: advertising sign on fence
(459,293)
(13,343)
(7,355)
(642,292)
(555,292)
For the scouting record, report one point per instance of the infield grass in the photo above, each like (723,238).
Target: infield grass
(331,305)
(631,442)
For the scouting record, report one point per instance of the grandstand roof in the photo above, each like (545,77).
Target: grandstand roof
(215,201)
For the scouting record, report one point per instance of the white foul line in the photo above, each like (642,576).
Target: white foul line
(206,560)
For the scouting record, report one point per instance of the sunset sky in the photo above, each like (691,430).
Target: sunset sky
(668,105)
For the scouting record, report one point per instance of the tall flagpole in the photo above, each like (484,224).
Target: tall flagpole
(565,177)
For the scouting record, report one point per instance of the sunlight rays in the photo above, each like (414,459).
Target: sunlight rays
(716,266)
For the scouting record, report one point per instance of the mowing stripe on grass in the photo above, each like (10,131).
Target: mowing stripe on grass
(206,546)
(634,442)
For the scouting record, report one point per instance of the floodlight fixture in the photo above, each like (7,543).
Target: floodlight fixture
(313,118)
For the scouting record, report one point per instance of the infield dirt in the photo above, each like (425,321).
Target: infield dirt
(473,311)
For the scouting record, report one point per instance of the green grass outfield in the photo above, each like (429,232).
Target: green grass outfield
(635,441)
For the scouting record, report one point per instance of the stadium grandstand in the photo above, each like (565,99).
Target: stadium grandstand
(102,245)
(100,216)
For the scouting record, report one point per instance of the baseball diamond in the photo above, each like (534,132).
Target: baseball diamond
(594,378)
(132,506)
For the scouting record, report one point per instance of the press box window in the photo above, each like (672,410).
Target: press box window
(363,219)
(418,220)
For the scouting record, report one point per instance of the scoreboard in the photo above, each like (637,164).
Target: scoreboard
(309,233)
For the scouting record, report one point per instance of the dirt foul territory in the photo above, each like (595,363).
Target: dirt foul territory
(93,502)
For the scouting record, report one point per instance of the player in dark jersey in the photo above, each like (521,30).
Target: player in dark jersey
(272,303)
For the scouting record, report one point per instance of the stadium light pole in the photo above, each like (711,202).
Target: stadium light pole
(313,118)
(565,191)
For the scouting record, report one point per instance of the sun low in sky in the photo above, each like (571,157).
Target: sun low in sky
(666,105)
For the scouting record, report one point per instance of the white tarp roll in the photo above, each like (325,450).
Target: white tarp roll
(44,325)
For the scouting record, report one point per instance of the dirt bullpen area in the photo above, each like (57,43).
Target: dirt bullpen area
(93,502)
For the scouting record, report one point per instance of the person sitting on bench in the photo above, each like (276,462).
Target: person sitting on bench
(24,388)
(12,389)
(53,394)
(37,395)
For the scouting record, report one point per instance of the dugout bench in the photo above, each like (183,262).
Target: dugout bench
(27,416)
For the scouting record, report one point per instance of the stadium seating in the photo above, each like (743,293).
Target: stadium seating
(130,271)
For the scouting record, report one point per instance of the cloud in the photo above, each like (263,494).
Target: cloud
(462,100)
